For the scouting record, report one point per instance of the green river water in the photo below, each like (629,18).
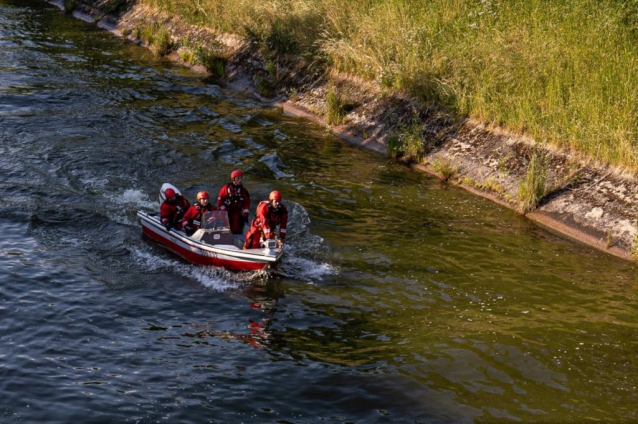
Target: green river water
(403,299)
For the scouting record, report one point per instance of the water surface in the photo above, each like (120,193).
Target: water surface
(403,299)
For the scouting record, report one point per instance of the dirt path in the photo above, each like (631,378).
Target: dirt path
(593,204)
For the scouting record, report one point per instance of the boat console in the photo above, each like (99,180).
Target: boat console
(215,230)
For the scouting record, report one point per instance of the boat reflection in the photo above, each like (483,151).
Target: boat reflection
(262,298)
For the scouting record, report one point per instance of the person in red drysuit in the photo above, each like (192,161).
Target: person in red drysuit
(173,209)
(234,198)
(270,214)
(191,220)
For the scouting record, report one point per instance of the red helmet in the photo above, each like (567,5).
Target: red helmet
(236,173)
(202,195)
(275,195)
(169,192)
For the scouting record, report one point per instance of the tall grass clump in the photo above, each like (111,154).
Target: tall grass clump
(335,106)
(445,168)
(564,72)
(188,52)
(211,59)
(158,38)
(407,141)
(533,188)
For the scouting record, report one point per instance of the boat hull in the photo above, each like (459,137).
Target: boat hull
(200,253)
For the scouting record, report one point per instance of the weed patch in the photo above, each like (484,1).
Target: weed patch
(214,62)
(335,106)
(533,188)
(445,168)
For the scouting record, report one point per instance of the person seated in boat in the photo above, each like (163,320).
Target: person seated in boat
(173,209)
(234,198)
(270,214)
(191,221)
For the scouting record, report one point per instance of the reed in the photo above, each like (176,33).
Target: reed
(563,72)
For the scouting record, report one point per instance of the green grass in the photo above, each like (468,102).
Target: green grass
(563,72)
(335,106)
(158,38)
(407,141)
(534,187)
(445,168)
(212,59)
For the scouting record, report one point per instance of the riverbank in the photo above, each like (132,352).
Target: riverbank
(585,201)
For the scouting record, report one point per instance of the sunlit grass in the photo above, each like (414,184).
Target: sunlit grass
(534,187)
(335,106)
(445,168)
(158,38)
(407,141)
(564,72)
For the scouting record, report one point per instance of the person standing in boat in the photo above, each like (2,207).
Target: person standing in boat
(192,218)
(173,209)
(234,198)
(270,214)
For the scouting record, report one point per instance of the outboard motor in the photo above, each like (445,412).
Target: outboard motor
(270,244)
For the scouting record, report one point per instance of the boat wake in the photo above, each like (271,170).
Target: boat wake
(217,279)
(306,253)
(130,200)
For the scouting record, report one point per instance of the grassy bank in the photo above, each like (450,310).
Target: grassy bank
(564,72)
